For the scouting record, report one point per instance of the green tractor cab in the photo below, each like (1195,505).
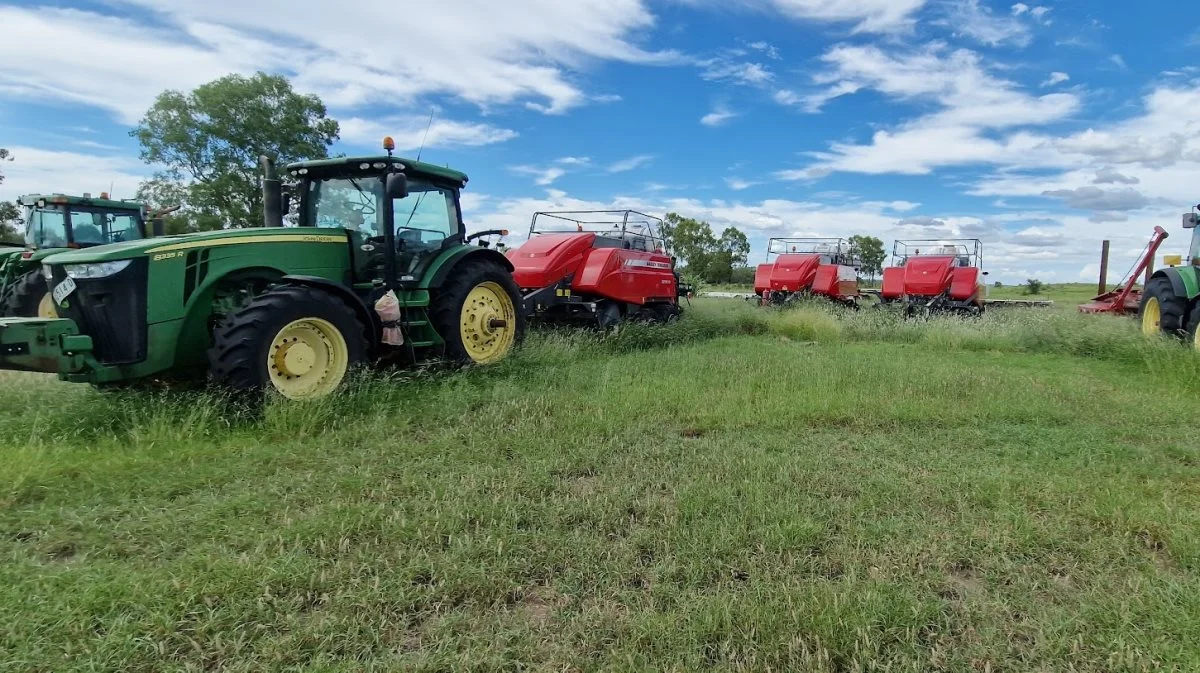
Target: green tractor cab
(57,223)
(379,267)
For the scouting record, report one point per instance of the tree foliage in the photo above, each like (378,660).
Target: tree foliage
(10,222)
(1034,286)
(209,142)
(10,213)
(703,255)
(869,250)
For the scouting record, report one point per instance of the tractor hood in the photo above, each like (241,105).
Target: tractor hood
(164,244)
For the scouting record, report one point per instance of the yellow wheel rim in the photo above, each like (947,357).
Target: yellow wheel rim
(488,324)
(46,307)
(1151,317)
(308,358)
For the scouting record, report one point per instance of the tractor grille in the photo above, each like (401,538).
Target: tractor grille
(112,311)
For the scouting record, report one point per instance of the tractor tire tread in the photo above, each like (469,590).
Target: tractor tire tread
(22,296)
(237,341)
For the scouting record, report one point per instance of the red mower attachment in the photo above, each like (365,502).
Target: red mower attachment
(936,275)
(1125,299)
(597,267)
(823,267)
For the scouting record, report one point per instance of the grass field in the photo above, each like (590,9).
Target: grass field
(747,490)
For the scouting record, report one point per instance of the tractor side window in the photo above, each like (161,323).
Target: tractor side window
(427,216)
(47,228)
(348,203)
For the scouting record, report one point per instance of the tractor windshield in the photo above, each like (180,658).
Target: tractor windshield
(98,227)
(348,203)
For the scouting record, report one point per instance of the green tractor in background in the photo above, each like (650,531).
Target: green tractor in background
(55,223)
(380,267)
(1171,300)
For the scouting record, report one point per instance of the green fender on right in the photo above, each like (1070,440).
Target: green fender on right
(1185,280)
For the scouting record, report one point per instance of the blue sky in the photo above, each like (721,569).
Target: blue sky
(1039,127)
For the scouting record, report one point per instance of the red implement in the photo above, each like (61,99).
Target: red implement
(605,276)
(946,276)
(1125,299)
(810,266)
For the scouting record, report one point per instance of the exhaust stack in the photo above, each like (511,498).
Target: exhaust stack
(272,194)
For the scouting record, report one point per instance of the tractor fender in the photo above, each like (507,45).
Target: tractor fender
(1184,281)
(364,312)
(446,264)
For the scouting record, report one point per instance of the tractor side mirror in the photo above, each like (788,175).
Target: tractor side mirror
(397,186)
(1190,220)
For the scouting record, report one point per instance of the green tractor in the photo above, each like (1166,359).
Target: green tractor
(55,223)
(379,267)
(1170,303)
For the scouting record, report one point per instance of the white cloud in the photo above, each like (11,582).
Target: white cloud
(631,163)
(1039,13)
(496,55)
(738,184)
(409,132)
(976,21)
(542,176)
(1119,61)
(766,48)
(718,116)
(973,104)
(1019,9)
(723,69)
(37,171)
(1056,78)
(869,16)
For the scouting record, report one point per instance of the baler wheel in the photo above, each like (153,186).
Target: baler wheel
(298,341)
(1162,310)
(477,313)
(28,297)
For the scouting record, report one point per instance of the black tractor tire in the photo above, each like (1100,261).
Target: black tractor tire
(242,341)
(24,295)
(1172,307)
(448,302)
(1192,330)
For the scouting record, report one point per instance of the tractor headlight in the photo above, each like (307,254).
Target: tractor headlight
(97,270)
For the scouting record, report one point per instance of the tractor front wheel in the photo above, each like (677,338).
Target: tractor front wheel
(28,297)
(1161,310)
(298,341)
(478,313)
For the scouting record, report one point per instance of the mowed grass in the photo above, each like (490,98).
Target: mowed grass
(802,490)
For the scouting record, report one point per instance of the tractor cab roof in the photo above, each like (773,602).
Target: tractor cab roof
(86,200)
(345,164)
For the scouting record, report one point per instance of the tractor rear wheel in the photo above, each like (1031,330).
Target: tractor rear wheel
(1161,311)
(298,341)
(28,297)
(1193,327)
(478,313)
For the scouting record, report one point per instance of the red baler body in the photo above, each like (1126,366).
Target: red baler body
(596,266)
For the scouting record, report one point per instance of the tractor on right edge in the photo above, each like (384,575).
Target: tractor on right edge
(1171,300)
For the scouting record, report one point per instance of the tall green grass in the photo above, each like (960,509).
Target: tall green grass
(807,489)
